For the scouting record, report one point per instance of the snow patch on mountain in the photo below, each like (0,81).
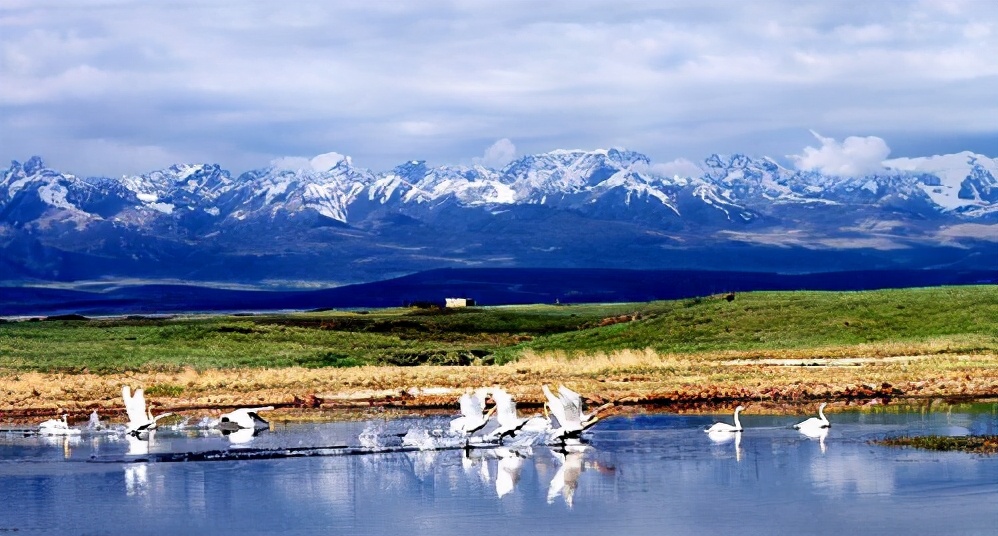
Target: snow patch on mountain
(965,180)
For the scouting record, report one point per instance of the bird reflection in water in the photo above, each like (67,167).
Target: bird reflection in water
(508,470)
(475,460)
(816,433)
(67,442)
(136,476)
(720,437)
(566,479)
(136,479)
(422,463)
(240,436)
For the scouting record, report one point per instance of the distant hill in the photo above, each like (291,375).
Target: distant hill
(491,286)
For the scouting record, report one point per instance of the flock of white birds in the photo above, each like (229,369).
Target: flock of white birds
(239,425)
(562,423)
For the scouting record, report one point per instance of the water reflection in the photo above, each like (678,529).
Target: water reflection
(646,474)
(136,479)
(725,437)
(508,471)
(566,480)
(241,436)
(816,433)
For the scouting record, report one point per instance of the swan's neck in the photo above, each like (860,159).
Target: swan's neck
(821,414)
(738,424)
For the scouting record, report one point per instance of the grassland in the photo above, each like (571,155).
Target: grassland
(765,347)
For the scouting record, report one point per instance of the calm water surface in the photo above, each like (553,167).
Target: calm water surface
(649,474)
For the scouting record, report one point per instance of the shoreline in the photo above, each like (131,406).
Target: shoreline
(671,382)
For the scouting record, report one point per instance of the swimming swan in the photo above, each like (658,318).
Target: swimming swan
(814,423)
(725,427)
(139,418)
(57,427)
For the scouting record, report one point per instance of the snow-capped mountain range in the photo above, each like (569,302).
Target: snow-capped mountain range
(326,220)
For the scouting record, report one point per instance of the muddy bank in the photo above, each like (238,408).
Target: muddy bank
(675,384)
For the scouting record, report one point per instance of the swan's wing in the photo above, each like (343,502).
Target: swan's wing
(505,408)
(139,401)
(573,406)
(570,396)
(240,417)
(720,427)
(812,423)
(135,405)
(470,406)
(158,417)
(556,406)
(257,420)
(457,425)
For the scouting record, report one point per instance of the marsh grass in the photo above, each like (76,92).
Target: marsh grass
(974,444)
(760,346)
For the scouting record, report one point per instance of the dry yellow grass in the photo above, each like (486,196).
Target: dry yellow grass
(861,372)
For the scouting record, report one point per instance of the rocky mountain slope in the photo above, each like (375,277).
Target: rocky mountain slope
(330,222)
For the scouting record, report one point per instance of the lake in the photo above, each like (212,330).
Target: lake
(655,473)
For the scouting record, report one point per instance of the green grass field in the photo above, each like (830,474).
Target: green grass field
(953,319)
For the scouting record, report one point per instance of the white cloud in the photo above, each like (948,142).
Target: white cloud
(854,157)
(679,167)
(327,161)
(243,83)
(498,154)
(291,163)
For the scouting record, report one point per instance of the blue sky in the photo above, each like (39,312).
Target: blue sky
(122,87)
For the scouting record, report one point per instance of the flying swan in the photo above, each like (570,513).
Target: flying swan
(244,418)
(567,411)
(725,427)
(139,418)
(509,423)
(473,417)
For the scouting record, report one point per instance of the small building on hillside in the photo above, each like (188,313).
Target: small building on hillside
(459,302)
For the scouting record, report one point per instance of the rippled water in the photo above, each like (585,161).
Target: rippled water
(648,474)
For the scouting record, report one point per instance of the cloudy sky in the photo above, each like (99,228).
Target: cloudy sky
(118,87)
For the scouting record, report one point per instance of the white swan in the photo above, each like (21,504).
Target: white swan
(509,422)
(244,418)
(719,427)
(567,411)
(53,427)
(139,418)
(814,423)
(473,417)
